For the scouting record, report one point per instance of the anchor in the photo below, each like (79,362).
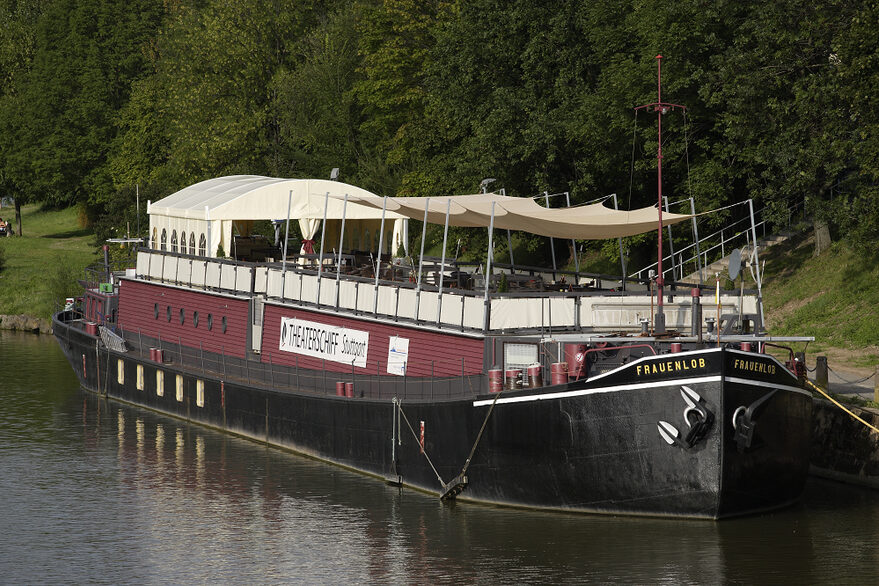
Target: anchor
(697,417)
(744,421)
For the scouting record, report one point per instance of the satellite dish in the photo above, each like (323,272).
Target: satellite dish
(735,264)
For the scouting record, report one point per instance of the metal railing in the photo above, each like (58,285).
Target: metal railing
(718,244)
(280,377)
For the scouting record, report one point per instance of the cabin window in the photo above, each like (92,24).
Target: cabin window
(120,371)
(179,384)
(224,324)
(195,318)
(156,310)
(174,241)
(164,239)
(192,243)
(168,312)
(183,243)
(140,384)
(210,322)
(519,356)
(160,383)
(182,316)
(154,244)
(202,245)
(199,393)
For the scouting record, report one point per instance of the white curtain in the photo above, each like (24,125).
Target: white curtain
(308,227)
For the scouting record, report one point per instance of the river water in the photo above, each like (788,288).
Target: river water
(92,491)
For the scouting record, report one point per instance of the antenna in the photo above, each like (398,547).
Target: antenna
(660,108)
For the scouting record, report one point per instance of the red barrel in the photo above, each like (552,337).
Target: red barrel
(575,354)
(675,347)
(535,376)
(513,379)
(559,372)
(159,356)
(340,388)
(746,346)
(495,380)
(91,328)
(349,390)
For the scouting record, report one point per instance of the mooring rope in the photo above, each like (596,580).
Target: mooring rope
(479,435)
(838,404)
(423,450)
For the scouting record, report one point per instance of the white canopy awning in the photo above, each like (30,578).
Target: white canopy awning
(586,222)
(207,210)
(251,197)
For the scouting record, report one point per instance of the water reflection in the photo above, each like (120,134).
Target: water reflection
(96,491)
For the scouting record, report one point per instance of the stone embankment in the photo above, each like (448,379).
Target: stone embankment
(26,323)
(843,448)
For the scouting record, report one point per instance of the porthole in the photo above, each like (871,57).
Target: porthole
(182,316)
(195,318)
(224,324)
(210,322)
(156,310)
(169,313)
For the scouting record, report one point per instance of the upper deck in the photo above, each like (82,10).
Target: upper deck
(542,309)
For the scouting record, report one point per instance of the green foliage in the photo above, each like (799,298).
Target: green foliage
(86,56)
(428,98)
(503,284)
(832,297)
(62,280)
(54,250)
(2,256)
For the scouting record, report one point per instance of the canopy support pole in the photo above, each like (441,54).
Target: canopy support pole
(574,246)
(622,258)
(755,262)
(439,301)
(378,262)
(421,259)
(696,238)
(286,239)
(339,257)
(320,260)
(552,243)
(671,244)
(486,315)
(503,191)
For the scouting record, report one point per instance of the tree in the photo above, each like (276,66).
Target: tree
(17,42)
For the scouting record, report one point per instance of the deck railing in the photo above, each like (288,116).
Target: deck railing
(576,308)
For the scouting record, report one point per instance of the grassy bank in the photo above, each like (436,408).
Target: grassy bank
(834,297)
(41,267)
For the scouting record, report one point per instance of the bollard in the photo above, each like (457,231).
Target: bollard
(876,384)
(821,373)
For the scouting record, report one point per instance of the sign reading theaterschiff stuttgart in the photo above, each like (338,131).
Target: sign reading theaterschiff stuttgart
(324,341)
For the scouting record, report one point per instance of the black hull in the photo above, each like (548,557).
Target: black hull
(589,446)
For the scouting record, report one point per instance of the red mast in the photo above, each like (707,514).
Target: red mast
(660,108)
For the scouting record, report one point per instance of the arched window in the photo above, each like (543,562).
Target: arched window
(155,244)
(174,241)
(183,242)
(164,239)
(202,245)
(192,243)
